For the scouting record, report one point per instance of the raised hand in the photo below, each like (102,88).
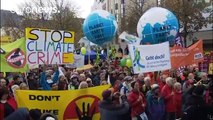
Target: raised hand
(85,114)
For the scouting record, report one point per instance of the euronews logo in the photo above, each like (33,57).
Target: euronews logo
(38,10)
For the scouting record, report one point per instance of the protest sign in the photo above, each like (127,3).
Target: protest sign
(13,57)
(64,104)
(149,58)
(187,56)
(46,46)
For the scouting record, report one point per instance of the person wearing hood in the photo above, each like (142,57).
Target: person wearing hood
(111,111)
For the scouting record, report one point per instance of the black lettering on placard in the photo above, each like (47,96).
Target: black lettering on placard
(44,98)
(55,111)
(55,33)
(45,33)
(34,34)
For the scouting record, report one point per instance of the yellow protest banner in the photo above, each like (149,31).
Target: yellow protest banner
(67,105)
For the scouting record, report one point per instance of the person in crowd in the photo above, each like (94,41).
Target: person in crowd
(83,85)
(89,82)
(25,114)
(137,102)
(155,104)
(187,85)
(196,108)
(7,103)
(104,82)
(46,81)
(14,88)
(16,81)
(82,77)
(147,85)
(73,83)
(111,111)
(188,82)
(167,93)
(3,82)
(126,50)
(63,83)
(54,87)
(140,80)
(33,81)
(126,87)
(116,86)
(178,99)
(24,86)
(162,80)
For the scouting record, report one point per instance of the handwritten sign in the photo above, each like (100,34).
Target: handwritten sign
(45,46)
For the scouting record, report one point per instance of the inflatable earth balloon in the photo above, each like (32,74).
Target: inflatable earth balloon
(157,25)
(100,27)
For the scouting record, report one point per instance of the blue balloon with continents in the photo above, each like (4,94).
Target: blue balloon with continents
(158,25)
(100,27)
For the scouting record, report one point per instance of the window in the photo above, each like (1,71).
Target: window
(116,6)
(122,1)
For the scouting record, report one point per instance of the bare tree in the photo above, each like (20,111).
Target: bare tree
(189,13)
(135,9)
(48,14)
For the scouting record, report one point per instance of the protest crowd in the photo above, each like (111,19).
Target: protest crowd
(162,95)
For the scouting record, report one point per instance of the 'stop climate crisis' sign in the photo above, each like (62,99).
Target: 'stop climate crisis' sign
(45,46)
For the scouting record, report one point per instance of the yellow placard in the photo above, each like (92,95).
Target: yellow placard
(64,104)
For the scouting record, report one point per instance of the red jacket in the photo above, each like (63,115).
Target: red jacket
(178,100)
(169,99)
(136,106)
(12,102)
(160,83)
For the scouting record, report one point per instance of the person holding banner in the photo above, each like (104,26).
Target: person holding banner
(46,81)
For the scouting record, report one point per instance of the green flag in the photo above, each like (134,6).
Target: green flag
(13,56)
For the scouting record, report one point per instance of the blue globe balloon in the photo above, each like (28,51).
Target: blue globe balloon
(100,27)
(158,25)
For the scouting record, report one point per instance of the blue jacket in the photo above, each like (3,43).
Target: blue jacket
(43,81)
(155,106)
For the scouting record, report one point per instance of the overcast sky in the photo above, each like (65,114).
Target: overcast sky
(85,5)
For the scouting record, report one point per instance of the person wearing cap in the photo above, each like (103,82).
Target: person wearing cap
(155,104)
(111,111)
(126,88)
